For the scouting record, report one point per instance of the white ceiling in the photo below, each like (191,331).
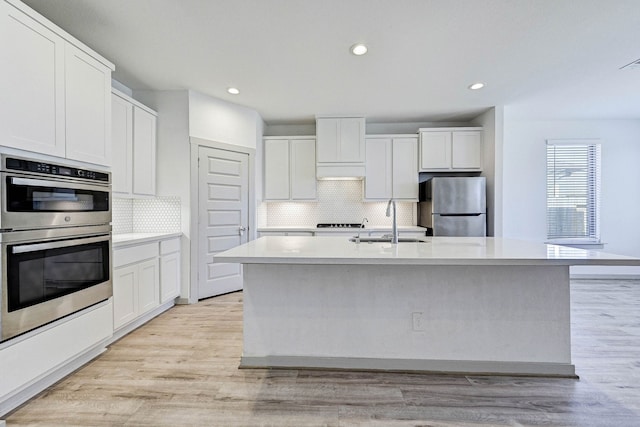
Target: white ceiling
(291,60)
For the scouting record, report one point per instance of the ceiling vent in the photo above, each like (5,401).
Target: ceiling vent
(635,64)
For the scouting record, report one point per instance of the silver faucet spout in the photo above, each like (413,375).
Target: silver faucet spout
(394,227)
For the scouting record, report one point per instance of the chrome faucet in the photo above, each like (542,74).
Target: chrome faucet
(394,229)
(357,237)
(364,220)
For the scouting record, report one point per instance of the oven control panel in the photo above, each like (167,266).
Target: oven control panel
(16,164)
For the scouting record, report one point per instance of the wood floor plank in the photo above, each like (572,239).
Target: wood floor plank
(181,369)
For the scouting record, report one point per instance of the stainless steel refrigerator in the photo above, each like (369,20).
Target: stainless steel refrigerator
(453,206)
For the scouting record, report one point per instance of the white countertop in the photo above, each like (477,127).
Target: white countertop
(434,251)
(137,238)
(367,229)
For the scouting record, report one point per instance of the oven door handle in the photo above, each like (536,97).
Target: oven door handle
(22,249)
(57,184)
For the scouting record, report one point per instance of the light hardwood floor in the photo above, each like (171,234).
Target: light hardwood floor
(181,369)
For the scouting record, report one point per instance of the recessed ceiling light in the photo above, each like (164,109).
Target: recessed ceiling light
(233,91)
(476,86)
(359,49)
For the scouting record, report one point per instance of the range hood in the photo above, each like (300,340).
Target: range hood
(337,172)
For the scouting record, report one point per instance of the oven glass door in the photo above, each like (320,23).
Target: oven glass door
(43,271)
(38,195)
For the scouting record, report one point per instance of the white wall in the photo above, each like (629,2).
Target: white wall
(524,180)
(173,160)
(181,115)
(221,121)
(371,128)
(492,123)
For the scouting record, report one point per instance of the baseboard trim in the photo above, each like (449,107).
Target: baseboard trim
(466,367)
(605,276)
(130,327)
(39,384)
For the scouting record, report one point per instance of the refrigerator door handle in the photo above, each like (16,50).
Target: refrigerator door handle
(465,214)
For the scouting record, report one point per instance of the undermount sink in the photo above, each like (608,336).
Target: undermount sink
(385,239)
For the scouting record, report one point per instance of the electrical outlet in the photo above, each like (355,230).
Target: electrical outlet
(417,321)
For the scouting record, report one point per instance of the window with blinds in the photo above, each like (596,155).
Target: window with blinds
(573,190)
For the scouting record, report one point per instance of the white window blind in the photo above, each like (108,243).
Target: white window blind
(573,190)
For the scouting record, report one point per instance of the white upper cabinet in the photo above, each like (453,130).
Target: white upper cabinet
(121,144)
(133,140)
(466,150)
(55,91)
(340,146)
(378,178)
(450,149)
(405,168)
(277,177)
(303,164)
(144,151)
(289,168)
(88,108)
(391,168)
(31,84)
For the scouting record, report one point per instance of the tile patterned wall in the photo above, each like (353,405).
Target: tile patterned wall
(122,216)
(157,215)
(338,202)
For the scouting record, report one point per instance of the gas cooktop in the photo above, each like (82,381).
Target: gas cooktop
(332,225)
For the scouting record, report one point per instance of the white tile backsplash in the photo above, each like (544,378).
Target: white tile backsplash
(339,201)
(157,215)
(122,216)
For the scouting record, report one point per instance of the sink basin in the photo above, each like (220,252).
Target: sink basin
(386,240)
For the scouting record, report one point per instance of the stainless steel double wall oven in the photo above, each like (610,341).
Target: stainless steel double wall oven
(55,237)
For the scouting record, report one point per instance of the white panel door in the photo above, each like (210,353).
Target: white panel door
(31,84)
(223,217)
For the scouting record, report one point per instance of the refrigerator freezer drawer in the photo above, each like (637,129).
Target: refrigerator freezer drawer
(460,225)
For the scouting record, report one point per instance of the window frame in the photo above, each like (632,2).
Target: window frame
(594,172)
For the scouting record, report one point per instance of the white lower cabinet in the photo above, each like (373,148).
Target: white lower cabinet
(148,286)
(35,361)
(125,295)
(169,269)
(146,276)
(136,284)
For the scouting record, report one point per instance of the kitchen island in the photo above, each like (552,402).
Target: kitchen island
(448,304)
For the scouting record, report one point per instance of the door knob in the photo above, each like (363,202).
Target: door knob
(242,229)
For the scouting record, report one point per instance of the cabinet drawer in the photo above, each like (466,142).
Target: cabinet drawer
(132,254)
(169,246)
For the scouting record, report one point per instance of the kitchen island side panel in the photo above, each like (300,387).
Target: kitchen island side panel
(511,314)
